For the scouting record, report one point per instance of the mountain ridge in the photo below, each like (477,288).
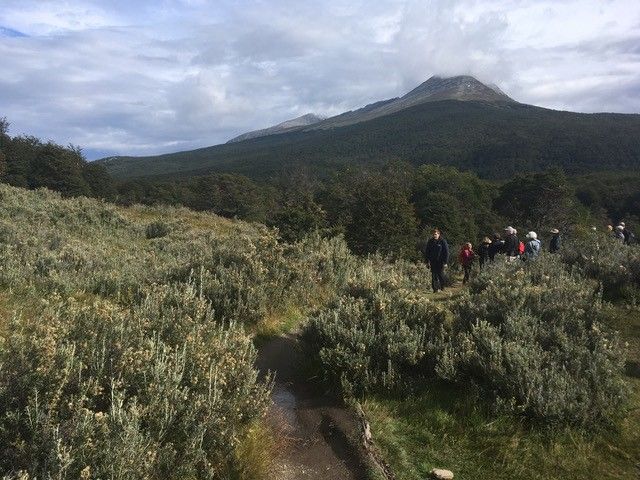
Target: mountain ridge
(287,125)
(462,88)
(436,88)
(496,141)
(455,121)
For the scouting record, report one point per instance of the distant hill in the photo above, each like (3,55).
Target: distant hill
(457,121)
(289,125)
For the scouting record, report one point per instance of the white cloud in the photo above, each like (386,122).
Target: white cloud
(147,77)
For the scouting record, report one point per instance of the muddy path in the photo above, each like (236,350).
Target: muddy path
(317,436)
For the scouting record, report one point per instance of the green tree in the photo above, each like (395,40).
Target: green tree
(298,212)
(457,202)
(538,200)
(382,217)
(59,169)
(20,155)
(99,181)
(4,133)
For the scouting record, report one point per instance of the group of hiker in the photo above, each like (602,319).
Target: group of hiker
(436,251)
(622,233)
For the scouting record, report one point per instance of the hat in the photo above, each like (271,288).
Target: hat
(532,235)
(622,224)
(620,227)
(555,230)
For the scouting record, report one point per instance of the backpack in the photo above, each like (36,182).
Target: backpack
(521,248)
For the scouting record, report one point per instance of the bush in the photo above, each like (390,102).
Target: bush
(614,265)
(376,335)
(531,338)
(160,390)
(157,230)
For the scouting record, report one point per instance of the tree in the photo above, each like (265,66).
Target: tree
(459,203)
(59,169)
(3,164)
(382,218)
(4,133)
(538,200)
(99,181)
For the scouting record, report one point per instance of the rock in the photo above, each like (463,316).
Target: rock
(367,432)
(441,474)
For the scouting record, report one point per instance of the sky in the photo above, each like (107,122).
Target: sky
(144,77)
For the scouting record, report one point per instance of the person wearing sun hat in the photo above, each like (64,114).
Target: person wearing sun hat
(554,244)
(532,248)
(629,237)
(511,244)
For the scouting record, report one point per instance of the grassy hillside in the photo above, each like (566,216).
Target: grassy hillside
(126,349)
(496,140)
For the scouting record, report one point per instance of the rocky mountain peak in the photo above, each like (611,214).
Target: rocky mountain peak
(461,87)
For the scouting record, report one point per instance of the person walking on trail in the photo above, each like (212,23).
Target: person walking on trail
(465,257)
(511,244)
(497,246)
(555,242)
(436,254)
(619,233)
(532,248)
(484,251)
(629,237)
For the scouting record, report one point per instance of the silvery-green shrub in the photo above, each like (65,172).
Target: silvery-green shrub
(531,338)
(157,390)
(157,229)
(374,337)
(615,265)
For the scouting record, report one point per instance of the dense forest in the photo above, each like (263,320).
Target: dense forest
(26,161)
(494,140)
(384,207)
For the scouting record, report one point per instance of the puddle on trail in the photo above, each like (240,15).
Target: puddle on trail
(285,401)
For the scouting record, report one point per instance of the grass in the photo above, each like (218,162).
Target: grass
(446,428)
(278,323)
(256,453)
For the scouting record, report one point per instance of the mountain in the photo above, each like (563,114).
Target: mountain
(9,32)
(303,121)
(462,88)
(456,121)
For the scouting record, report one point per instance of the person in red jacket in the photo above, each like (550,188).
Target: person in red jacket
(465,257)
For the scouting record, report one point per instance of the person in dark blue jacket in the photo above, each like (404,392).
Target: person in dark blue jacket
(436,254)
(555,242)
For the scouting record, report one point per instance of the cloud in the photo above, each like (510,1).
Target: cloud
(146,77)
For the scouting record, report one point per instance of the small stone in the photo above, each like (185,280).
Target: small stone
(441,474)
(367,432)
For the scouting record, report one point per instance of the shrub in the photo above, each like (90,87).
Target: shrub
(157,229)
(156,391)
(531,338)
(614,265)
(377,335)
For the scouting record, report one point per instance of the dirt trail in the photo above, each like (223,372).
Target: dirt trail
(315,430)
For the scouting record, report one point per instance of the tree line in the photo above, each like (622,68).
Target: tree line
(383,209)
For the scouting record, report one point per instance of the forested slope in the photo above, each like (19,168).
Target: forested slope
(495,140)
